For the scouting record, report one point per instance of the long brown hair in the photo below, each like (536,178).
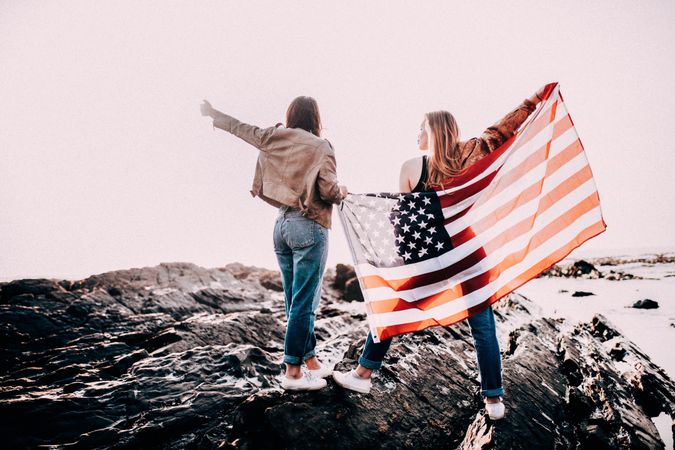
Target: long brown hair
(444,161)
(303,112)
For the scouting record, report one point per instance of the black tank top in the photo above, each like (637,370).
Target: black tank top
(419,187)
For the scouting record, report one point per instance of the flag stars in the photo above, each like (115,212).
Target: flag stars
(422,252)
(426,200)
(439,245)
(416,235)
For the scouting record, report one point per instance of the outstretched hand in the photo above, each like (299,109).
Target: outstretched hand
(343,191)
(540,95)
(206,109)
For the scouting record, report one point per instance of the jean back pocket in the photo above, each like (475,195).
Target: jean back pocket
(300,232)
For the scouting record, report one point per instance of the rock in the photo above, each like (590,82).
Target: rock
(178,356)
(582,267)
(353,290)
(578,269)
(646,304)
(115,292)
(343,273)
(618,275)
(271,280)
(29,287)
(582,294)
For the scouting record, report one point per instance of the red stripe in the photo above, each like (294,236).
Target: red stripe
(452,198)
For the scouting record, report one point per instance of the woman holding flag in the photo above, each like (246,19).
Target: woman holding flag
(448,157)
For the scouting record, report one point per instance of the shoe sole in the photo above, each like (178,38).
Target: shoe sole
(351,388)
(293,388)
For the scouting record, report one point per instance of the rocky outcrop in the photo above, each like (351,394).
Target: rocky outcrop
(646,303)
(178,356)
(585,269)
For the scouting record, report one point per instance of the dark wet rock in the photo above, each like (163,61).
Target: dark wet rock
(646,304)
(586,269)
(582,294)
(182,357)
(343,273)
(353,290)
(618,275)
(582,267)
(578,269)
(29,289)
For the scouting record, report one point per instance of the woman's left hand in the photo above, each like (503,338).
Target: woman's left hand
(206,109)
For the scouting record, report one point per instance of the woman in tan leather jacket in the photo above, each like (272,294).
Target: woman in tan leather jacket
(295,172)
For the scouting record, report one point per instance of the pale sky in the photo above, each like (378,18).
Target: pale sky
(107,164)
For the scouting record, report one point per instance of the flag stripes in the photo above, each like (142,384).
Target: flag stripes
(507,218)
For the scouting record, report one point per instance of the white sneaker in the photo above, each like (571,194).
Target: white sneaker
(305,383)
(322,372)
(351,380)
(495,411)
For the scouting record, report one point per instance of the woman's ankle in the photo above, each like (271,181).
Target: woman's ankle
(293,371)
(363,372)
(313,363)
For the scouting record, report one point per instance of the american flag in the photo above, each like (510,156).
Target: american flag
(434,258)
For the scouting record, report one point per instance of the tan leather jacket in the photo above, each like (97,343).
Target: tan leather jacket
(294,168)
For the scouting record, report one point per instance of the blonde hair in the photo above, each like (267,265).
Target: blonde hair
(444,161)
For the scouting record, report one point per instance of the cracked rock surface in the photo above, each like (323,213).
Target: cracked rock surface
(182,357)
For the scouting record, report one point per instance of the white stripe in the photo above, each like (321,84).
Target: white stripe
(474,298)
(540,222)
(461,223)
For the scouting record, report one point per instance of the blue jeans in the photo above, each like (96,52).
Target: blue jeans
(301,246)
(487,352)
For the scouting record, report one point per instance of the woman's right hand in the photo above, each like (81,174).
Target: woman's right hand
(539,95)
